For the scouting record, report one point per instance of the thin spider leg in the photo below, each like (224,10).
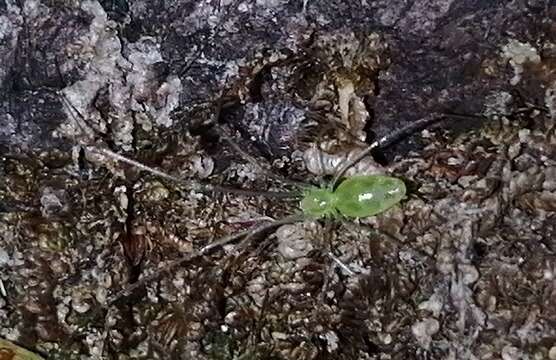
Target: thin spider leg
(137,164)
(321,159)
(247,157)
(252,232)
(241,248)
(326,282)
(327,239)
(87,131)
(189,184)
(182,260)
(203,251)
(250,159)
(387,234)
(386,141)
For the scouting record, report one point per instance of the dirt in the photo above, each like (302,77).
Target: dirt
(463,268)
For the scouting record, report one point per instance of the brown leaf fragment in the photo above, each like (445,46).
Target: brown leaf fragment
(539,200)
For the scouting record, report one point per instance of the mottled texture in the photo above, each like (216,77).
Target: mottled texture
(364,196)
(463,268)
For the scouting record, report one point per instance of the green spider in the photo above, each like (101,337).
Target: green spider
(364,195)
(355,197)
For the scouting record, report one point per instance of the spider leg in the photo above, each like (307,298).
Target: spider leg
(102,149)
(251,160)
(386,141)
(186,183)
(325,125)
(223,133)
(253,232)
(174,264)
(88,135)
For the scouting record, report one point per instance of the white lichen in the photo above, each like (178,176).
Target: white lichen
(518,54)
(294,241)
(550,100)
(498,103)
(424,330)
(319,162)
(130,82)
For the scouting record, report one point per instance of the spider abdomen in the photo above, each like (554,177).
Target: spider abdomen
(362,196)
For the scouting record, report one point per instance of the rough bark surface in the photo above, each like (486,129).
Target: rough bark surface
(464,268)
